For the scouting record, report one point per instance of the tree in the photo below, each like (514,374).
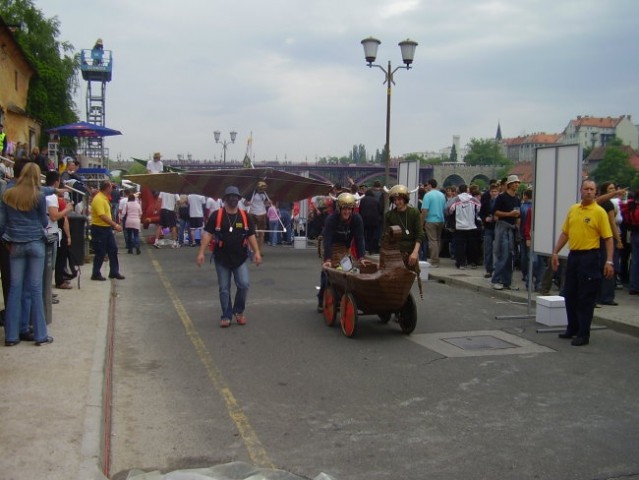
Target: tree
(358,154)
(51,90)
(615,166)
(453,154)
(411,157)
(485,152)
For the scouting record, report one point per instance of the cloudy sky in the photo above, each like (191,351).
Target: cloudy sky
(293,73)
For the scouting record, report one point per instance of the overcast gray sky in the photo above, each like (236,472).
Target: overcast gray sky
(293,71)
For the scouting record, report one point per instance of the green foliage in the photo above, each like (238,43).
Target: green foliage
(51,90)
(358,154)
(485,152)
(412,157)
(615,166)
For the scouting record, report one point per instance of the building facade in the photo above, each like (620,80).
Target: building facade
(593,132)
(15,74)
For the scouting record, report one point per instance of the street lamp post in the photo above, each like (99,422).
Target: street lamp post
(224,143)
(408,54)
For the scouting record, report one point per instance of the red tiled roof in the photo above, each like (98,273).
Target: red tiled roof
(535,138)
(598,153)
(599,122)
(524,171)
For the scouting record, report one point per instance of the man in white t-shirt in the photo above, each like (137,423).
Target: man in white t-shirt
(196,215)
(155,165)
(168,218)
(212,204)
(257,211)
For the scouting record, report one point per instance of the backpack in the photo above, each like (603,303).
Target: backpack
(217,241)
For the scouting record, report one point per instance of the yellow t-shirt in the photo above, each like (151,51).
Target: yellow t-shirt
(586,225)
(100,206)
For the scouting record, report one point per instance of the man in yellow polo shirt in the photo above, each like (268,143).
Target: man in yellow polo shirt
(102,238)
(585,225)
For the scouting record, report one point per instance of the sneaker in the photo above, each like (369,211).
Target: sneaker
(240,319)
(225,323)
(320,308)
(156,244)
(175,245)
(498,286)
(488,275)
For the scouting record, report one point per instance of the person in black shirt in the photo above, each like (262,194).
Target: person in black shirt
(233,232)
(506,213)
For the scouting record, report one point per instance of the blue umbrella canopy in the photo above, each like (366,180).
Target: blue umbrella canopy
(83,129)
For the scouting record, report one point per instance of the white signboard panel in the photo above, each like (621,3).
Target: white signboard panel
(557,187)
(408,175)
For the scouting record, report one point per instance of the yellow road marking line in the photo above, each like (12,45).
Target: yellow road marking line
(256,451)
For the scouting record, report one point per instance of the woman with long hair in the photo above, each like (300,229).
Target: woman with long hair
(23,217)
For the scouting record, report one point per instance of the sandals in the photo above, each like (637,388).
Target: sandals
(225,323)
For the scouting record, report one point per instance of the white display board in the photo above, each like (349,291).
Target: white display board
(408,175)
(558,177)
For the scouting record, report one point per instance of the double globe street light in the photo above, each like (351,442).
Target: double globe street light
(224,143)
(408,54)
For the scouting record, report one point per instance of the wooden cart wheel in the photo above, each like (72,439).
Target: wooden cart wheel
(407,316)
(348,315)
(330,305)
(384,317)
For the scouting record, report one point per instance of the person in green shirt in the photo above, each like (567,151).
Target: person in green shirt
(408,219)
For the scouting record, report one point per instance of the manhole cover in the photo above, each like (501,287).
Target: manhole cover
(477,343)
(480,342)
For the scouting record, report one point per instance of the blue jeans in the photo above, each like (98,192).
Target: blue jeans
(274,234)
(132,236)
(241,277)
(634,267)
(285,216)
(103,242)
(184,227)
(25,294)
(503,248)
(489,237)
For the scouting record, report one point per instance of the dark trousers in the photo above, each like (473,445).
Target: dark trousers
(103,242)
(61,260)
(583,280)
(463,247)
(607,289)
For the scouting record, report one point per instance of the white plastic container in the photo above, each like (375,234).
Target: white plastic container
(423,267)
(551,311)
(299,242)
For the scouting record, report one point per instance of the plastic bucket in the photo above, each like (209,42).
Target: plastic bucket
(423,267)
(299,242)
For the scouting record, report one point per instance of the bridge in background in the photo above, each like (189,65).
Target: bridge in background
(446,174)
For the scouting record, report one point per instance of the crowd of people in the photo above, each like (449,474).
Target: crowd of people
(490,228)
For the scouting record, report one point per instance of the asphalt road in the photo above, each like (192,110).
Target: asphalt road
(466,396)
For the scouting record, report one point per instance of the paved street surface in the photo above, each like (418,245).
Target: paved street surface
(475,392)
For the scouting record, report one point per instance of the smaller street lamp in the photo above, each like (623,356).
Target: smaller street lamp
(224,143)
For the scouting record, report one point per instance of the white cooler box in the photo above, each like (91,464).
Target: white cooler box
(551,311)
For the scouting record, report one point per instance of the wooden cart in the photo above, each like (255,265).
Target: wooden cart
(379,289)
